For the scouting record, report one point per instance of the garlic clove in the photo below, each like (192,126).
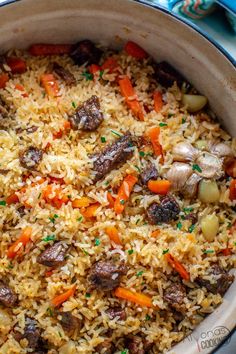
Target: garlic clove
(184,151)
(178,174)
(210,166)
(191,186)
(194,103)
(222,150)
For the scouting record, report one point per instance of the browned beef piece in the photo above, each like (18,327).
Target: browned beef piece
(150,172)
(85,52)
(118,312)
(174,295)
(64,74)
(54,255)
(88,116)
(7,297)
(4,171)
(31,157)
(106,347)
(21,211)
(69,323)
(221,280)
(166,211)
(106,275)
(138,345)
(120,151)
(166,75)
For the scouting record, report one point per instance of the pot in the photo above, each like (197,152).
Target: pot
(164,36)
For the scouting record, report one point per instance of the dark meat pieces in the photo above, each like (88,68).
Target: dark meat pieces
(85,52)
(31,157)
(88,116)
(64,74)
(120,151)
(138,345)
(54,255)
(69,323)
(106,275)
(7,297)
(149,173)
(175,295)
(166,211)
(166,75)
(116,312)
(106,347)
(220,282)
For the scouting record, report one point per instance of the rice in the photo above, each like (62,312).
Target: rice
(69,158)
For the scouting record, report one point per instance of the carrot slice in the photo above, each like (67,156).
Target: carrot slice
(177,266)
(135,51)
(110,199)
(153,135)
(59,299)
(128,92)
(159,186)
(226,251)
(158,103)
(3,80)
(16,247)
(12,199)
(137,298)
(50,84)
(65,128)
(155,233)
(55,197)
(94,68)
(82,202)
(49,49)
(232,189)
(231,168)
(124,193)
(21,88)
(17,65)
(113,234)
(110,64)
(90,211)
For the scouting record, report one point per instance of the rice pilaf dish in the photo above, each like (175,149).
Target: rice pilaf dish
(117,202)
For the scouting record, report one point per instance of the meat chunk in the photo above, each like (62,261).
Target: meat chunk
(220,280)
(120,151)
(138,345)
(69,323)
(166,75)
(150,172)
(64,74)
(54,255)
(88,116)
(85,52)
(166,211)
(106,347)
(7,297)
(118,312)
(31,157)
(106,275)
(175,295)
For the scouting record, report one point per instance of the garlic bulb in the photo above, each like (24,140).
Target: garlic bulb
(210,166)
(184,151)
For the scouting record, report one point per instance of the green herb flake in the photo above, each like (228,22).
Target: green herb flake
(69,196)
(87,295)
(103,139)
(141,153)
(101,73)
(80,219)
(162,124)
(137,221)
(179,225)
(39,195)
(49,238)
(165,251)
(2,202)
(183,120)
(84,251)
(125,351)
(234,243)
(73,104)
(191,228)
(229,225)
(196,167)
(116,133)
(10,265)
(88,76)
(138,274)
(60,335)
(122,201)
(97,242)
(137,168)
(208,251)
(148,318)
(49,311)
(187,210)
(73,280)
(131,251)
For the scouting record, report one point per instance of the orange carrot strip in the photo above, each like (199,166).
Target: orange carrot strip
(48,273)
(17,65)
(135,51)
(113,234)
(124,193)
(110,199)
(12,199)
(232,189)
(231,168)
(153,135)
(49,49)
(90,211)
(137,298)
(177,266)
(81,202)
(21,88)
(94,68)
(159,186)
(16,247)
(65,128)
(128,92)
(155,233)
(226,251)
(55,197)
(158,103)
(3,80)
(59,299)
(110,64)
(50,84)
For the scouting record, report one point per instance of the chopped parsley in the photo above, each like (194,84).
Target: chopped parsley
(73,104)
(137,221)
(88,76)
(183,120)
(196,167)
(138,274)
(137,168)
(131,251)
(229,225)
(2,202)
(101,73)
(73,280)
(122,201)
(179,225)
(80,219)
(53,218)
(39,195)
(141,153)
(84,251)
(191,228)
(49,238)
(234,243)
(60,335)
(69,196)
(103,139)
(87,295)
(10,265)
(163,124)
(116,133)
(188,210)
(148,318)
(125,351)
(165,251)
(97,242)
(49,311)
(208,251)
